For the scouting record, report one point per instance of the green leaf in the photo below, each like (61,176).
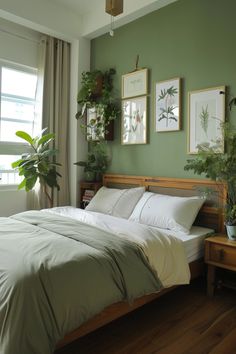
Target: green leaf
(16,163)
(30,183)
(22,184)
(46,138)
(25,136)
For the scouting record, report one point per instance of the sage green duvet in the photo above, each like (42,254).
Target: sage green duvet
(56,273)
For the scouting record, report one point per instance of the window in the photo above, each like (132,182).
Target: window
(18,111)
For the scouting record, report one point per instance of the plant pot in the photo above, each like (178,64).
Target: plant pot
(231,232)
(97,92)
(98,176)
(90,176)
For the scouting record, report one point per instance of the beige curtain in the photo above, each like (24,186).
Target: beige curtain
(55,66)
(56,108)
(35,199)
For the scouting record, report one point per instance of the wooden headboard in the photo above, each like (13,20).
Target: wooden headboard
(210,215)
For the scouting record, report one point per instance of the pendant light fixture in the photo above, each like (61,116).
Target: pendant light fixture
(114,8)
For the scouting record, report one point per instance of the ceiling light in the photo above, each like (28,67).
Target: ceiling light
(114,8)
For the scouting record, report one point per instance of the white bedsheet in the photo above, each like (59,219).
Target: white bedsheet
(164,252)
(193,242)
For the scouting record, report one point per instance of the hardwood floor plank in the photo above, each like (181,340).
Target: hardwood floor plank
(185,321)
(216,333)
(227,345)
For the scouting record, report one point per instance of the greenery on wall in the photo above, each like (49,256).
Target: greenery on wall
(220,168)
(172,44)
(96,94)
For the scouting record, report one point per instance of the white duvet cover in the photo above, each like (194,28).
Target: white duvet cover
(165,253)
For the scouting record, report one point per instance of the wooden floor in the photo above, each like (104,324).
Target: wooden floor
(184,321)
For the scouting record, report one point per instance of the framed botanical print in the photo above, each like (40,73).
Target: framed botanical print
(206,115)
(134,121)
(135,84)
(167,105)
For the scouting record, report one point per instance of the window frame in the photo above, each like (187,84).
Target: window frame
(10,147)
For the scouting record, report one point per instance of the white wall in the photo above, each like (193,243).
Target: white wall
(43,16)
(23,51)
(16,48)
(12,202)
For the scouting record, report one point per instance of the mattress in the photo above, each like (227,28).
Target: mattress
(193,242)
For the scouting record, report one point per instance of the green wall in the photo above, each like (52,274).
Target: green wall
(191,39)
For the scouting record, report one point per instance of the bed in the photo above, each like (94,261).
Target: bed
(148,288)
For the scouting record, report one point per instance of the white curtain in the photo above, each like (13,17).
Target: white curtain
(55,60)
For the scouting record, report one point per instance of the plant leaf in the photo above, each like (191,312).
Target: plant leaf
(22,184)
(46,138)
(25,136)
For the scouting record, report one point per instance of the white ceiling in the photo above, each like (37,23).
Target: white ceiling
(81,7)
(72,19)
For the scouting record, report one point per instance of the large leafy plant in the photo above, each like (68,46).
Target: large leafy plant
(219,167)
(38,164)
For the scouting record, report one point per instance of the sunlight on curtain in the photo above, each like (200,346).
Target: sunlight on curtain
(56,108)
(34,197)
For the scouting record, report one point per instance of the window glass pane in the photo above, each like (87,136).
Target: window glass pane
(7,174)
(17,109)
(18,104)
(18,83)
(9,129)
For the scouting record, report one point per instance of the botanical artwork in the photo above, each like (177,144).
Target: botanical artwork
(167,98)
(206,115)
(134,121)
(134,84)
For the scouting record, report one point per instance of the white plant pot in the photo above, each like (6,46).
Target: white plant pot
(231,232)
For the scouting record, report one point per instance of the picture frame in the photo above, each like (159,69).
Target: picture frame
(167,105)
(134,121)
(205,117)
(135,84)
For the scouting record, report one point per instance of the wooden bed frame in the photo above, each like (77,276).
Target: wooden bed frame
(211,215)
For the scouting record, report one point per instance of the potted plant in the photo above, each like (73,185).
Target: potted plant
(38,164)
(222,168)
(97,162)
(89,167)
(95,97)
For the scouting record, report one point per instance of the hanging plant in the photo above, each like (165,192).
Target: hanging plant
(97,106)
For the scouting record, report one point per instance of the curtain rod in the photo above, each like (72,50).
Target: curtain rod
(20,36)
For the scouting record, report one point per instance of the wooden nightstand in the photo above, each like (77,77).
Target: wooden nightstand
(219,252)
(87,191)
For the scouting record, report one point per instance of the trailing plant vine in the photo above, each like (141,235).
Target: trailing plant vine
(97,106)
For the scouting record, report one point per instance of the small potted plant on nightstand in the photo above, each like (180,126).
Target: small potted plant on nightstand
(97,162)
(221,168)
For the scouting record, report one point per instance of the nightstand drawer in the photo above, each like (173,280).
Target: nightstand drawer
(222,254)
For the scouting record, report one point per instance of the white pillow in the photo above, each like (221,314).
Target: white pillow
(167,212)
(116,202)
